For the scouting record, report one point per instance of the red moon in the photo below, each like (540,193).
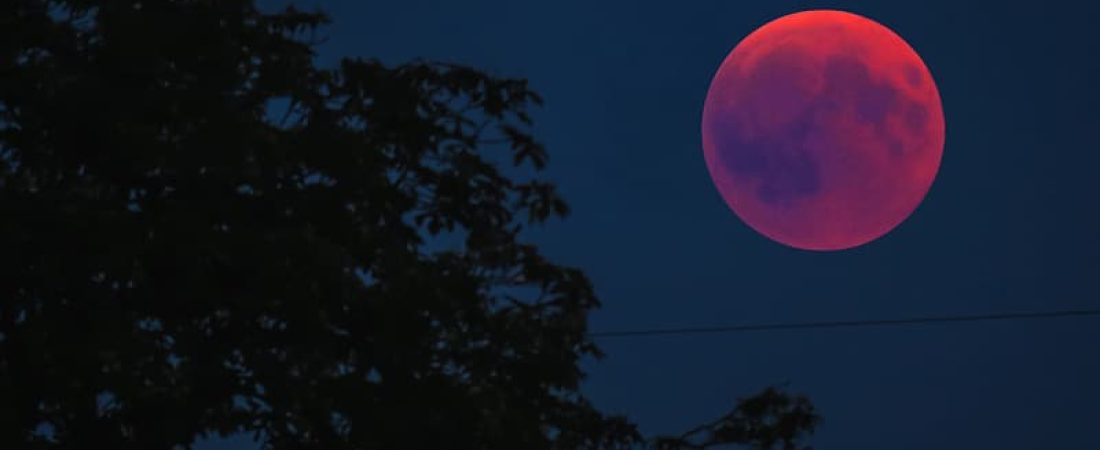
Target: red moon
(823,130)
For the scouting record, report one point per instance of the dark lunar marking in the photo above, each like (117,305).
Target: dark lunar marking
(875,103)
(799,179)
(781,162)
(916,117)
(897,147)
(913,76)
(780,81)
(848,77)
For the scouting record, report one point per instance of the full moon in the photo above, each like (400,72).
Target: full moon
(823,130)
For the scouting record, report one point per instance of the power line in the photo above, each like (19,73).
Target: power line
(846,323)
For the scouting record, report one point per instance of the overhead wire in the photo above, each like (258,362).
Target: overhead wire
(846,323)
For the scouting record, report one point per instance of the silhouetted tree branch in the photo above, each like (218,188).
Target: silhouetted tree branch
(767,420)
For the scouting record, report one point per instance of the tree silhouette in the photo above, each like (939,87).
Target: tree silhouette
(177,261)
(769,419)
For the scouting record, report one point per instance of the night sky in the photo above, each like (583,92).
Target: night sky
(1011,223)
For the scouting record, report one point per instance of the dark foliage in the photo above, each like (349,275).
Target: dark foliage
(178,262)
(770,419)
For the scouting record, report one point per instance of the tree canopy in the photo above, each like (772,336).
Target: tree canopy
(203,232)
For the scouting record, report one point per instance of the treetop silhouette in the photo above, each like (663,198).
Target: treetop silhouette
(179,261)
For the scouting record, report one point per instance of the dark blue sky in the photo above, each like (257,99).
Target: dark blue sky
(1011,223)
